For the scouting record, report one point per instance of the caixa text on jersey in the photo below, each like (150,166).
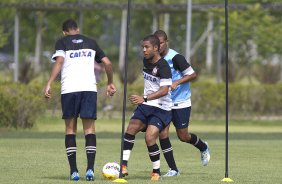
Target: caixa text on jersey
(149,77)
(81,53)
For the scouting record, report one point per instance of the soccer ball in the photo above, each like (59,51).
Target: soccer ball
(111,170)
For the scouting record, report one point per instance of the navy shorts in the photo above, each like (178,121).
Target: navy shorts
(181,117)
(81,104)
(151,115)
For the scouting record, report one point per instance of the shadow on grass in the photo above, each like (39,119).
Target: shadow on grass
(114,135)
(61,178)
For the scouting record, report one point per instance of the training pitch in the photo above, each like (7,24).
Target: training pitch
(38,155)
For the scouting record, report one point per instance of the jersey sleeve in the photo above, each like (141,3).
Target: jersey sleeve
(165,74)
(99,53)
(59,50)
(181,64)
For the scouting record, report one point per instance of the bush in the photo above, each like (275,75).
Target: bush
(20,104)
(208,99)
(244,100)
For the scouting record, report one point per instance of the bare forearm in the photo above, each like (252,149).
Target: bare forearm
(55,71)
(109,69)
(158,94)
(186,78)
(136,99)
(109,72)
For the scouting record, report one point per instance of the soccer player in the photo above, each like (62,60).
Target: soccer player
(153,112)
(182,74)
(75,57)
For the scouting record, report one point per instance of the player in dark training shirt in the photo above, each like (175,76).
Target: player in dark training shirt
(75,57)
(154,107)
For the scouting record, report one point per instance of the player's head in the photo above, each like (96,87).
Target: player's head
(151,46)
(70,27)
(163,41)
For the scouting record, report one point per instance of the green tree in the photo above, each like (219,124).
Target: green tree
(254,37)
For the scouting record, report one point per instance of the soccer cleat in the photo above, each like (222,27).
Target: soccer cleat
(74,176)
(205,156)
(89,175)
(155,176)
(171,173)
(124,170)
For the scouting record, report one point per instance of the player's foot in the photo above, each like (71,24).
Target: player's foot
(89,175)
(171,173)
(155,176)
(74,176)
(205,155)
(124,170)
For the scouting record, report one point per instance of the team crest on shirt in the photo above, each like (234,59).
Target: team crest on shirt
(155,70)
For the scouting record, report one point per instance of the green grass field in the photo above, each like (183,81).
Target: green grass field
(38,155)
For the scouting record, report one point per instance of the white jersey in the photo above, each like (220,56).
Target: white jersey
(79,54)
(155,76)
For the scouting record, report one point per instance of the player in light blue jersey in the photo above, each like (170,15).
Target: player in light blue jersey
(182,74)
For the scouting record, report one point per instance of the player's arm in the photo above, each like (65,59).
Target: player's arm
(136,99)
(111,89)
(56,68)
(100,57)
(181,64)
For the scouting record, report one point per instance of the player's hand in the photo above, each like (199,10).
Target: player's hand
(136,99)
(173,86)
(47,91)
(111,90)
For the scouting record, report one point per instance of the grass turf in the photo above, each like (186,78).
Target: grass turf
(38,155)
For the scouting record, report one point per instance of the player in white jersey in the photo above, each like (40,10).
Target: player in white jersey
(182,74)
(75,57)
(154,107)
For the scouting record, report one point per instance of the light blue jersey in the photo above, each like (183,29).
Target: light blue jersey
(182,93)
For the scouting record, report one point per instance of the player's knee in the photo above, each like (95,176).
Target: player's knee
(150,140)
(183,137)
(163,135)
(133,129)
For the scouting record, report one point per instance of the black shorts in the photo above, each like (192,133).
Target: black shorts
(181,117)
(83,104)
(150,115)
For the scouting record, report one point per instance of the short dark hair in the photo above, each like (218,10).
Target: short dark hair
(161,33)
(69,24)
(153,39)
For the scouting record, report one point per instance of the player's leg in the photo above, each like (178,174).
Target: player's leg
(70,144)
(181,124)
(88,115)
(90,146)
(134,126)
(168,152)
(151,136)
(184,135)
(70,114)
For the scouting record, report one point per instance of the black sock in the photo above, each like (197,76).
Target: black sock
(197,142)
(90,146)
(70,144)
(127,147)
(168,153)
(154,153)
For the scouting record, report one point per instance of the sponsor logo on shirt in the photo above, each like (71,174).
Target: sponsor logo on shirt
(150,78)
(80,54)
(77,41)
